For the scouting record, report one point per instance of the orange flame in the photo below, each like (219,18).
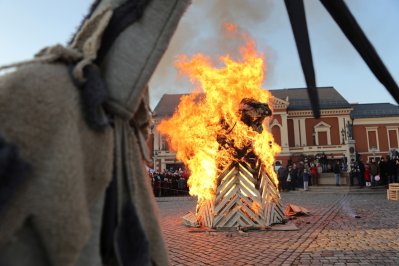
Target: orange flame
(193,129)
(230,27)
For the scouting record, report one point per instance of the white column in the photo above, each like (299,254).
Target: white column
(157,145)
(284,131)
(297,134)
(303,132)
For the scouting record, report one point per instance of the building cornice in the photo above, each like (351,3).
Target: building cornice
(376,120)
(325,112)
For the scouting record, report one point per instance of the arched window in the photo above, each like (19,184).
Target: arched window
(276,131)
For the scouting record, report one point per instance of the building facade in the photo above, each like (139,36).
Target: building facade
(342,131)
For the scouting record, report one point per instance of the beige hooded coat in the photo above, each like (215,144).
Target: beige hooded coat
(54,218)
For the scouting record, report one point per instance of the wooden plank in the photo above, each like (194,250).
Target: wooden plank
(238,215)
(247,191)
(226,173)
(262,185)
(238,202)
(224,188)
(236,197)
(222,209)
(249,186)
(252,215)
(222,220)
(244,171)
(394,186)
(269,181)
(221,194)
(205,213)
(393,194)
(247,180)
(243,221)
(190,219)
(209,214)
(225,201)
(267,214)
(252,200)
(204,217)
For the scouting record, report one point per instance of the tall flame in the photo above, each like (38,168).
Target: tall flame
(193,129)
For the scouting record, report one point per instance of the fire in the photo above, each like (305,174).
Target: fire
(230,27)
(213,111)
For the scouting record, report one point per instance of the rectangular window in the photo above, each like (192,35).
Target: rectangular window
(164,144)
(393,138)
(372,139)
(276,134)
(322,136)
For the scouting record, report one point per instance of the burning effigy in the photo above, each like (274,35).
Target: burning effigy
(220,133)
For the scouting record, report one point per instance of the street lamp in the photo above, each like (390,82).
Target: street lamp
(343,135)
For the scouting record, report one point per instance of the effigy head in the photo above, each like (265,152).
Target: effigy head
(253,113)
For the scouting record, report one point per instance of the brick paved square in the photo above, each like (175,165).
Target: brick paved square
(331,235)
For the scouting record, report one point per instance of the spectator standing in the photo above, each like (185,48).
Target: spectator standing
(157,185)
(306,177)
(360,174)
(294,176)
(391,170)
(367,178)
(174,184)
(319,169)
(397,169)
(374,170)
(337,172)
(352,173)
(282,178)
(300,169)
(323,161)
(382,165)
(181,185)
(313,173)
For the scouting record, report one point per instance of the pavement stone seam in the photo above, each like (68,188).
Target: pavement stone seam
(338,239)
(329,213)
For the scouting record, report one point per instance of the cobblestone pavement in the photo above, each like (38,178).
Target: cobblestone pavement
(331,235)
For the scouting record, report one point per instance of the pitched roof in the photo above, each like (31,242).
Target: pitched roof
(329,98)
(169,102)
(370,110)
(167,105)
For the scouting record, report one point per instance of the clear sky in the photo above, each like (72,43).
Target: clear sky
(28,26)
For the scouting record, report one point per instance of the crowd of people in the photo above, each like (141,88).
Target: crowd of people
(169,183)
(374,173)
(297,175)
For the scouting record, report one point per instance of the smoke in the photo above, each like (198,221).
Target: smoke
(201,30)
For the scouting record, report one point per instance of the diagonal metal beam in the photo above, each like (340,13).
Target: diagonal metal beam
(296,13)
(346,21)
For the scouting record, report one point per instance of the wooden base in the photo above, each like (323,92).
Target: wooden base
(244,198)
(393,191)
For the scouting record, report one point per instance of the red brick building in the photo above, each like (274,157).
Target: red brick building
(344,129)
